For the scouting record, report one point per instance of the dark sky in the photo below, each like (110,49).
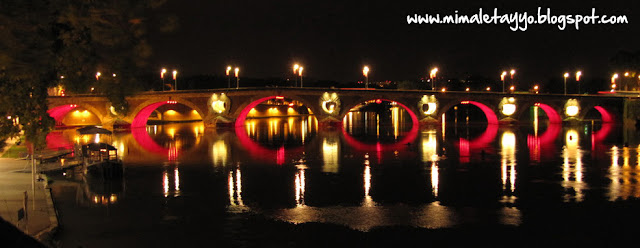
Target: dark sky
(334,39)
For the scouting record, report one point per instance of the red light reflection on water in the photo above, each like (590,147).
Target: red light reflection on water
(542,146)
(466,146)
(379,147)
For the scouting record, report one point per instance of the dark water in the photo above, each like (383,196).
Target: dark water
(375,170)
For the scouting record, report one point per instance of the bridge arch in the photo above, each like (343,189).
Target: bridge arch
(606,114)
(58,113)
(491,116)
(243,110)
(411,112)
(144,110)
(552,113)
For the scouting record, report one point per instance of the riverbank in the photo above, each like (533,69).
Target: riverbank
(40,219)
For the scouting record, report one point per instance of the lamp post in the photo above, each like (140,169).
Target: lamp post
(300,73)
(175,80)
(228,77)
(613,82)
(295,70)
(98,74)
(237,70)
(578,75)
(365,71)
(513,84)
(566,75)
(162,72)
(504,73)
(432,76)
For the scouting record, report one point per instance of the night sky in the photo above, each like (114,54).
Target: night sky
(333,40)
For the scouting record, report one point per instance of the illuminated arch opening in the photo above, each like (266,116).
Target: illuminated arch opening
(272,106)
(604,115)
(490,116)
(74,115)
(142,117)
(552,114)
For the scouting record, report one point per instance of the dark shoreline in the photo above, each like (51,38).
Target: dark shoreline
(569,224)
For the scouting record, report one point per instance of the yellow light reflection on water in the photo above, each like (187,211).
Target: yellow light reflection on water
(235,188)
(165,183)
(508,160)
(435,181)
(368,201)
(300,187)
(572,167)
(395,117)
(429,146)
(330,155)
(219,153)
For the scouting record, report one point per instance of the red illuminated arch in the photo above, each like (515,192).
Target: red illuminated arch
(245,111)
(58,113)
(491,116)
(551,113)
(606,116)
(141,118)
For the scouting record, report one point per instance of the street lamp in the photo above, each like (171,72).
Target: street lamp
(295,70)
(300,71)
(578,75)
(98,74)
(566,75)
(237,70)
(536,88)
(512,72)
(175,80)
(228,77)
(432,75)
(504,73)
(365,71)
(162,72)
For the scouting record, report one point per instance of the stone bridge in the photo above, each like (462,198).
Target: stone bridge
(330,105)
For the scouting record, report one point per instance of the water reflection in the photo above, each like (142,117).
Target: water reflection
(235,188)
(385,173)
(572,179)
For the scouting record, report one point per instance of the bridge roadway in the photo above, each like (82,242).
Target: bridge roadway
(231,106)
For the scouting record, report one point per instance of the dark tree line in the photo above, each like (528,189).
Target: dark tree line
(47,43)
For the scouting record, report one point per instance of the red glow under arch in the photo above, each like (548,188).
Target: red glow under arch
(551,113)
(243,114)
(58,113)
(411,135)
(143,116)
(491,116)
(606,116)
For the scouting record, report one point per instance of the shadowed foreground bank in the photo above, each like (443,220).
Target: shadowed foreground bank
(10,236)
(609,225)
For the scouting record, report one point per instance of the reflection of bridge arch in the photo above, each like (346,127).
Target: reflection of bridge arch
(144,110)
(142,137)
(58,113)
(491,116)
(543,145)
(244,111)
(260,152)
(465,146)
(379,147)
